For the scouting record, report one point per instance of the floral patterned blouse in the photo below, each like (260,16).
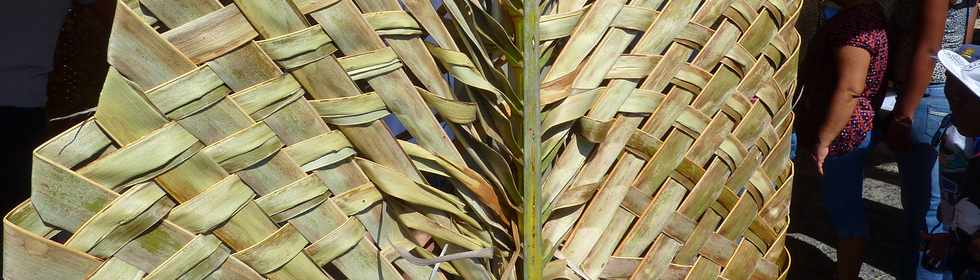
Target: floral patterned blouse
(863,26)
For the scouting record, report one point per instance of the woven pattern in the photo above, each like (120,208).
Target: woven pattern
(247,139)
(243,141)
(669,125)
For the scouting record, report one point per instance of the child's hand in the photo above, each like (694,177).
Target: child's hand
(937,244)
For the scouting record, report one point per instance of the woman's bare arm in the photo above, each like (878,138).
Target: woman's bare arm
(971,25)
(852,69)
(929,36)
(932,23)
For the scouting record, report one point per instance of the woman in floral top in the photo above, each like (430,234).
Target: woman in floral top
(845,76)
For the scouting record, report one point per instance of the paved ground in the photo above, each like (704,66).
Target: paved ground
(811,241)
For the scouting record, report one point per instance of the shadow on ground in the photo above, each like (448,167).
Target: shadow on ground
(811,239)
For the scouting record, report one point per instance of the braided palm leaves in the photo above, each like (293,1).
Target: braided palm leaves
(669,122)
(256,139)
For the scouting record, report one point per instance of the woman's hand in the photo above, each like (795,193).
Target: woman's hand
(899,133)
(818,155)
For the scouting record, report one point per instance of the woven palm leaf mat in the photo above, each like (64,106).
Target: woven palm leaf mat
(251,140)
(670,128)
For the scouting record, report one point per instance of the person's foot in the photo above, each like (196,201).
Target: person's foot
(850,256)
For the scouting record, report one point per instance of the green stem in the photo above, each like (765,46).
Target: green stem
(533,259)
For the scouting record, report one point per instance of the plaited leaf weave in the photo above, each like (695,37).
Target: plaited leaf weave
(234,142)
(669,124)
(251,139)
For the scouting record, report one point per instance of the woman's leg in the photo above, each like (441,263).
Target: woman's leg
(919,169)
(842,185)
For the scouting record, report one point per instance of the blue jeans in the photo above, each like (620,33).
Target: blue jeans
(842,185)
(919,169)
